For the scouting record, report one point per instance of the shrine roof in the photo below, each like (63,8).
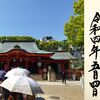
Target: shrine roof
(62,55)
(28,46)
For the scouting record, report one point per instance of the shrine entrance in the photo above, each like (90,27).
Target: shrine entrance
(13,63)
(27,55)
(33,68)
(35,63)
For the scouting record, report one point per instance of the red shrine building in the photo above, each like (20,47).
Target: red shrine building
(26,54)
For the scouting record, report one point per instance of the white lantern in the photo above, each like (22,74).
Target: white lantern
(39,64)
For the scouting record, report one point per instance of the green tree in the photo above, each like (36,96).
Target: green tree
(49,46)
(16,38)
(74,29)
(64,45)
(79,7)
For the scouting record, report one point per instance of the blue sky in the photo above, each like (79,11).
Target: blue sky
(36,18)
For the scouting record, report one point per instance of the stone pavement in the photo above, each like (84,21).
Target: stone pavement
(50,96)
(59,82)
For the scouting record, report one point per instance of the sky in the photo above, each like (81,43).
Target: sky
(36,18)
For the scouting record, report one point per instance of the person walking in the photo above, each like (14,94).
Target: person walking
(64,77)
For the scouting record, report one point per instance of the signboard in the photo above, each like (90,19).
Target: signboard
(92,50)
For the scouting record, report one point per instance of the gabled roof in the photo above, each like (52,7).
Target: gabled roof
(29,46)
(62,55)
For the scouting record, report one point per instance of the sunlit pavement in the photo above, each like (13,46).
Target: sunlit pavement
(59,82)
(53,92)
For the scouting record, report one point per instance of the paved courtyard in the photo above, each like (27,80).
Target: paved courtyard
(72,90)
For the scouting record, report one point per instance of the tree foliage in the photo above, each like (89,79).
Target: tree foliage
(49,46)
(17,38)
(79,7)
(74,29)
(64,45)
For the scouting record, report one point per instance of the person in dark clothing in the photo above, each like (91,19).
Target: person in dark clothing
(15,96)
(19,96)
(64,77)
(5,93)
(10,97)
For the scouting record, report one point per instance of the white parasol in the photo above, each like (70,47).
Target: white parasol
(17,72)
(21,84)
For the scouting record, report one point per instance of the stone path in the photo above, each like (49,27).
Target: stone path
(58,91)
(58,82)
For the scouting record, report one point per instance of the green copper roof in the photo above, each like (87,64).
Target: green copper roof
(30,47)
(62,55)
